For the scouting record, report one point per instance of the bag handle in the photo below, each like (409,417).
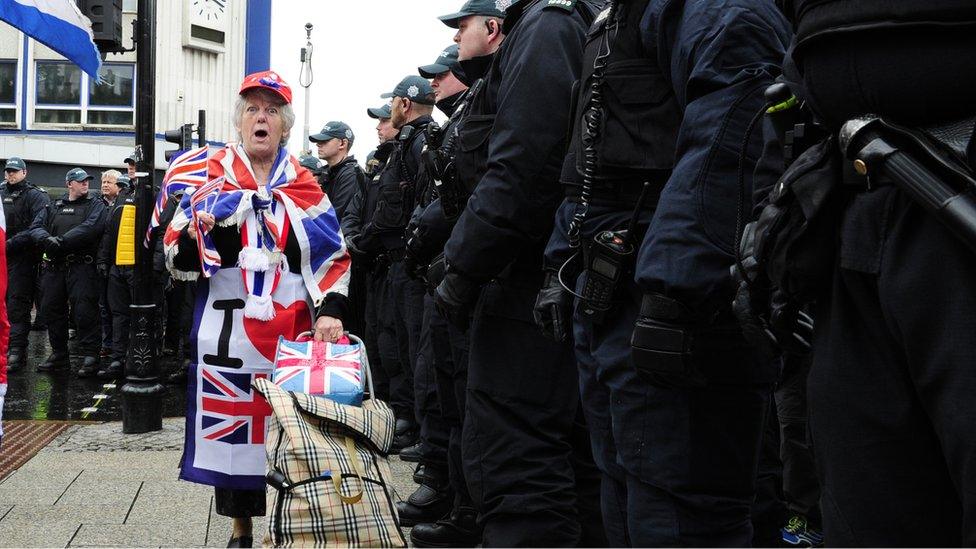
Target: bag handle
(337,479)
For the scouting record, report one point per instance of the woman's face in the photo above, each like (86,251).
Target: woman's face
(262,127)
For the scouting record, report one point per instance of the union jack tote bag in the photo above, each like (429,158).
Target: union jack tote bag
(320,368)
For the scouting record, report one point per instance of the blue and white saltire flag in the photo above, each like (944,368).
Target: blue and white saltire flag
(59,25)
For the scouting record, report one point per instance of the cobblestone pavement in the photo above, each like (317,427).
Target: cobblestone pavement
(95,487)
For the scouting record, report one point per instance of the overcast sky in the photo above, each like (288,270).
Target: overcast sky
(361,49)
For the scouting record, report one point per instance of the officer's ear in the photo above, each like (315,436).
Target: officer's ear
(492,26)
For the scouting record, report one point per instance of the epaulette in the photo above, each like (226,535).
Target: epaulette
(568,5)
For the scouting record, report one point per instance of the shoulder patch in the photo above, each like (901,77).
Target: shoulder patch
(567,5)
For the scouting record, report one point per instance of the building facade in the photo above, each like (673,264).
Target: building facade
(55,116)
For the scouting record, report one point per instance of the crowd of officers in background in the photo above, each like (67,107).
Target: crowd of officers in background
(592,180)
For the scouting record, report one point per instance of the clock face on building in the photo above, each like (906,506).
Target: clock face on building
(206,24)
(209,10)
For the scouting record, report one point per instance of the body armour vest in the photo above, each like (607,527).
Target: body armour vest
(631,122)
(67,215)
(16,207)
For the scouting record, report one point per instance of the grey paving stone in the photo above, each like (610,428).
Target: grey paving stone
(42,495)
(82,513)
(28,533)
(163,534)
(152,510)
(99,492)
(108,437)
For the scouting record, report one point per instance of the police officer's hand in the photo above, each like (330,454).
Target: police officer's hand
(553,308)
(102,270)
(413,261)
(455,296)
(328,328)
(52,245)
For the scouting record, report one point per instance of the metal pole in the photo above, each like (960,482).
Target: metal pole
(142,394)
(305,79)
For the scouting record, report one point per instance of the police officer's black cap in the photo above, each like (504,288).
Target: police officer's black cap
(129,160)
(414,88)
(15,163)
(77,174)
(490,8)
(447,60)
(386,111)
(310,162)
(333,130)
(123,181)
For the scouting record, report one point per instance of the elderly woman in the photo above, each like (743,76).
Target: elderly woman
(267,243)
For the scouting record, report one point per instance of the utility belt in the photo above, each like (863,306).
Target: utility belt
(622,196)
(69,259)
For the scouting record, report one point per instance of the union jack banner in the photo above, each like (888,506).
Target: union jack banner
(185,170)
(320,368)
(226,420)
(4,323)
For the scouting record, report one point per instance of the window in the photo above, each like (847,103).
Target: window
(8,91)
(61,98)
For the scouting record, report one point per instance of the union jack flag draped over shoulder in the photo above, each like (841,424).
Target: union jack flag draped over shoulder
(185,170)
(291,201)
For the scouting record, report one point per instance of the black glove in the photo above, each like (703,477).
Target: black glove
(353,248)
(413,260)
(455,297)
(436,272)
(553,308)
(52,245)
(102,269)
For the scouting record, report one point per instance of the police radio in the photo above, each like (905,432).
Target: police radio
(610,258)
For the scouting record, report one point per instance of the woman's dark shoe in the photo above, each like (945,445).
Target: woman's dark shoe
(243,541)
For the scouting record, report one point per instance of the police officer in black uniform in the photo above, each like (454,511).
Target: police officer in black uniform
(678,467)
(400,182)
(379,334)
(120,280)
(22,202)
(434,378)
(890,390)
(313,165)
(341,181)
(522,393)
(343,177)
(69,231)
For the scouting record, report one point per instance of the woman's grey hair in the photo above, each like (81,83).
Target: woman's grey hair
(287,112)
(114,174)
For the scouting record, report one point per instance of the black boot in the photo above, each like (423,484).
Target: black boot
(430,502)
(15,360)
(114,371)
(88,367)
(460,529)
(56,361)
(407,433)
(413,453)
(419,472)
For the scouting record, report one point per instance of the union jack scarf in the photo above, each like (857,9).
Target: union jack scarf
(290,201)
(188,169)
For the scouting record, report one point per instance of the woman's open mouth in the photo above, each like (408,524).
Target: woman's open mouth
(261,134)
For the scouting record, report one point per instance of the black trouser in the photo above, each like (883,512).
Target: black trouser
(452,383)
(406,307)
(801,490)
(120,289)
(891,389)
(522,400)
(104,312)
(434,432)
(769,510)
(373,293)
(21,272)
(891,410)
(75,283)
(355,321)
(392,345)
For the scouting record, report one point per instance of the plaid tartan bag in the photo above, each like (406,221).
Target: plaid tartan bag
(327,464)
